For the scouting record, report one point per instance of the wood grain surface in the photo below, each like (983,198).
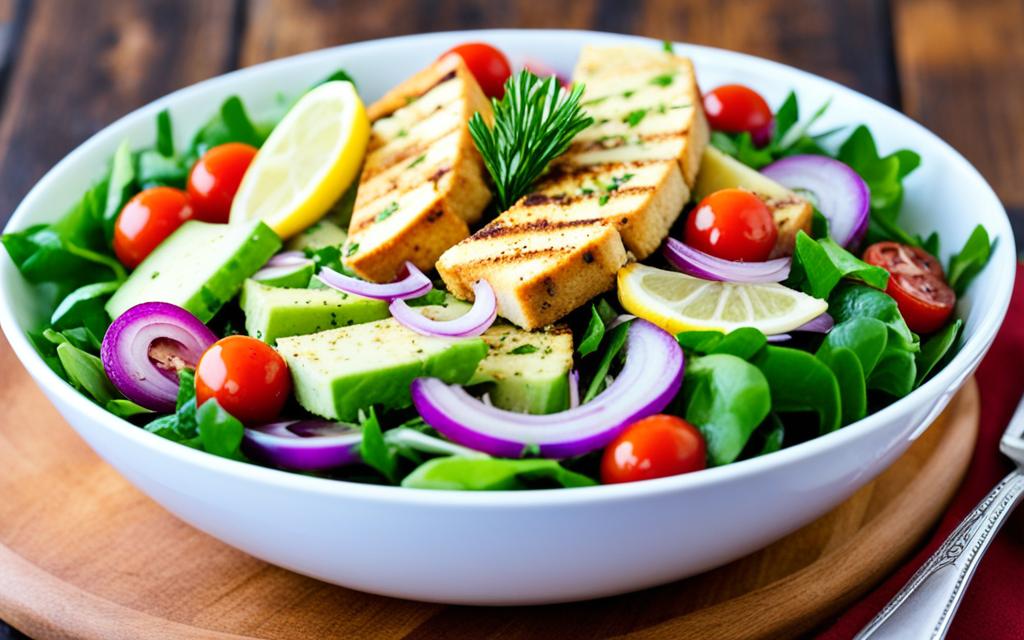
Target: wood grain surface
(85,555)
(69,67)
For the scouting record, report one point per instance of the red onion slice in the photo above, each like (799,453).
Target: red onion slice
(287,259)
(413,285)
(304,445)
(839,192)
(649,380)
(820,324)
(574,389)
(473,323)
(147,345)
(702,265)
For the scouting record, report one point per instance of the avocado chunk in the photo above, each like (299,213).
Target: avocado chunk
(319,235)
(198,267)
(338,372)
(273,312)
(525,371)
(295,277)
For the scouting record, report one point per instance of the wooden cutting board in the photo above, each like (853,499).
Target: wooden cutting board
(85,555)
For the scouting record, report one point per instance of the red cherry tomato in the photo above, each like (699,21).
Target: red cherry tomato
(215,177)
(732,224)
(916,282)
(654,447)
(146,221)
(735,108)
(490,67)
(246,376)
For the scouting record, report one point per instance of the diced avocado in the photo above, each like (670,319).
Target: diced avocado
(273,312)
(338,372)
(319,235)
(292,277)
(526,371)
(198,267)
(721,171)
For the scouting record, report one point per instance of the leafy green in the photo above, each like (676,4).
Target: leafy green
(120,188)
(744,342)
(492,474)
(84,307)
(725,397)
(849,374)
(865,337)
(773,439)
(593,335)
(85,372)
(533,124)
(616,340)
(968,263)
(125,408)
(857,301)
(936,348)
(181,426)
(230,124)
(375,450)
(220,433)
(164,134)
(895,372)
(801,382)
(819,265)
(701,342)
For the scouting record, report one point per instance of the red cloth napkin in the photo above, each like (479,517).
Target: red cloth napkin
(991,609)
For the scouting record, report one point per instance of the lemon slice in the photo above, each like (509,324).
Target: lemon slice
(677,302)
(307,163)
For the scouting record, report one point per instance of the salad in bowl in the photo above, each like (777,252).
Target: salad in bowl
(496,278)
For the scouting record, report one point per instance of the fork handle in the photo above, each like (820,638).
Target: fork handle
(925,606)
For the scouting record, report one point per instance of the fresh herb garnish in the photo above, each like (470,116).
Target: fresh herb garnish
(417,161)
(616,182)
(967,264)
(533,124)
(386,212)
(634,117)
(667,46)
(523,349)
(351,249)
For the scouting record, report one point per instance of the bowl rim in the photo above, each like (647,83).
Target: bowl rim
(964,361)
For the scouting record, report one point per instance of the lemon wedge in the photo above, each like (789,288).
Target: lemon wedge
(307,163)
(677,302)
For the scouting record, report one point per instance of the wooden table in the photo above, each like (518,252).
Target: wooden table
(70,67)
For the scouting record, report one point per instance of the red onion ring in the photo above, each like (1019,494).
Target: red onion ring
(650,379)
(820,324)
(574,389)
(303,445)
(840,193)
(473,323)
(141,336)
(413,285)
(702,265)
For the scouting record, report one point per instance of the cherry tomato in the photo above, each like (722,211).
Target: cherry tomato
(732,224)
(215,177)
(146,221)
(916,282)
(246,376)
(735,108)
(654,447)
(490,67)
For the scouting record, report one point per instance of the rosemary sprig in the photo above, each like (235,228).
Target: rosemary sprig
(533,124)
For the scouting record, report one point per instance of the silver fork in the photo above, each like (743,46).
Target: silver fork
(925,606)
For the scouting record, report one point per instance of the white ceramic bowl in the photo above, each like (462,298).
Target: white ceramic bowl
(540,546)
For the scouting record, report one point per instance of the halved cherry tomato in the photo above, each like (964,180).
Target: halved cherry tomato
(735,108)
(146,221)
(732,224)
(654,447)
(215,177)
(490,67)
(246,376)
(916,282)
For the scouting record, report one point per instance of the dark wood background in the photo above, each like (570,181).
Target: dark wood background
(70,67)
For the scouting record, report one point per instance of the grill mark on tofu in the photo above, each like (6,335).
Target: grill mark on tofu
(565,199)
(605,143)
(375,164)
(542,225)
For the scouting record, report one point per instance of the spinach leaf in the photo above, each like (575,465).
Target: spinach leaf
(699,341)
(230,124)
(375,451)
(774,438)
(181,426)
(120,188)
(593,335)
(853,393)
(800,382)
(865,337)
(85,372)
(744,342)
(615,343)
(340,74)
(125,408)
(492,474)
(895,372)
(857,301)
(819,265)
(220,433)
(164,134)
(934,349)
(155,169)
(84,307)
(964,266)
(725,397)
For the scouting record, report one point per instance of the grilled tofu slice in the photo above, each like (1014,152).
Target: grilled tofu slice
(614,194)
(423,180)
(647,106)
(791,212)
